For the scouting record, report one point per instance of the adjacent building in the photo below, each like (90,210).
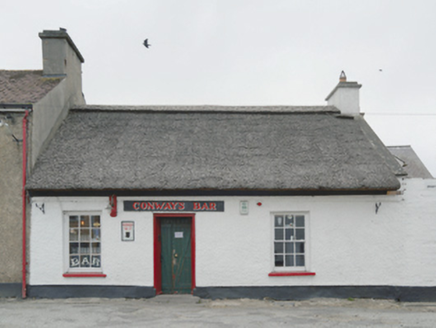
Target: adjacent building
(33,103)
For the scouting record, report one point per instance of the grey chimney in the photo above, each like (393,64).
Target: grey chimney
(345,96)
(60,55)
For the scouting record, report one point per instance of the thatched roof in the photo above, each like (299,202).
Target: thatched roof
(214,149)
(24,87)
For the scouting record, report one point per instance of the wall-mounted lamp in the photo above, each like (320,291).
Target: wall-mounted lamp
(113,205)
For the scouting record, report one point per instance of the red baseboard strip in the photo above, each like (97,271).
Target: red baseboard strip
(289,274)
(84,275)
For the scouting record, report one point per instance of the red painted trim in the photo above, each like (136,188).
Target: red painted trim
(24,159)
(157,254)
(158,248)
(288,274)
(192,253)
(84,275)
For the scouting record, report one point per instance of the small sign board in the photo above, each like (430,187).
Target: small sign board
(127,231)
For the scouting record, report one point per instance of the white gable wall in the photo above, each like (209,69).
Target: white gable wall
(348,243)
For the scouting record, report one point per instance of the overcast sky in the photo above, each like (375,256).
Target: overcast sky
(247,52)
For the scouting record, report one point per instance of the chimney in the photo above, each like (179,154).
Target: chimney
(60,55)
(345,96)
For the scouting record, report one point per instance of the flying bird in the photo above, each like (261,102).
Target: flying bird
(146,44)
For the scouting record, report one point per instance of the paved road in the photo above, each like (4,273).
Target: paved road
(189,311)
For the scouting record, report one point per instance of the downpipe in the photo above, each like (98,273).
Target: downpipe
(24,262)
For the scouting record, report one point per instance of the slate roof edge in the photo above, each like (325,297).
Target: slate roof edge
(208,108)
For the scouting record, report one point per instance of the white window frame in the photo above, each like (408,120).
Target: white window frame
(306,267)
(66,241)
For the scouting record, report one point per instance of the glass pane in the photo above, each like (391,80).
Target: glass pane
(299,220)
(84,221)
(85,261)
(74,221)
(96,261)
(96,248)
(278,234)
(74,248)
(278,248)
(278,220)
(299,234)
(95,219)
(74,234)
(289,248)
(289,234)
(299,247)
(84,248)
(84,234)
(289,260)
(278,260)
(289,220)
(74,261)
(300,260)
(95,234)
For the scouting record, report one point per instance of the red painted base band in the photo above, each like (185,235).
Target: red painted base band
(84,275)
(289,274)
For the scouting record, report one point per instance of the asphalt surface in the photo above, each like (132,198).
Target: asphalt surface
(190,311)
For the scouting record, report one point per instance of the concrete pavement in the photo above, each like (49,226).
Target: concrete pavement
(190,311)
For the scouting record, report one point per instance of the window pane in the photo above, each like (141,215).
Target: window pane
(74,248)
(84,248)
(289,234)
(278,220)
(289,220)
(278,260)
(84,234)
(299,260)
(96,263)
(85,261)
(74,221)
(84,221)
(74,261)
(96,248)
(299,220)
(278,248)
(74,234)
(299,234)
(289,260)
(95,234)
(95,221)
(289,248)
(278,234)
(299,247)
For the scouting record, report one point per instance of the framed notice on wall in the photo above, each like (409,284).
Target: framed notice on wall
(127,231)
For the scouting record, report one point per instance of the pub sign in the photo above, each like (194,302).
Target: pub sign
(173,206)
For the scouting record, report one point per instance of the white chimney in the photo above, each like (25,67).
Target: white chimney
(345,96)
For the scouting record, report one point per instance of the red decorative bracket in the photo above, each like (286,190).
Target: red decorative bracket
(113,205)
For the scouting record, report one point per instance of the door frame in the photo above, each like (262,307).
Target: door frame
(158,248)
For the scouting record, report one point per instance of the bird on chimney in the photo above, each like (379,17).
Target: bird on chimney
(146,44)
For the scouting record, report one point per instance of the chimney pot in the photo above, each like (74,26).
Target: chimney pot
(342,77)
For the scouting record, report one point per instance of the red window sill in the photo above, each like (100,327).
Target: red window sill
(84,275)
(289,274)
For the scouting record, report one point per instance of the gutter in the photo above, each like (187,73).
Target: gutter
(24,157)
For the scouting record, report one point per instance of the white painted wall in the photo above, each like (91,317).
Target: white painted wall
(349,244)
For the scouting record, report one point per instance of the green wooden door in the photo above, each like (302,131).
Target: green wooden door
(176,255)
